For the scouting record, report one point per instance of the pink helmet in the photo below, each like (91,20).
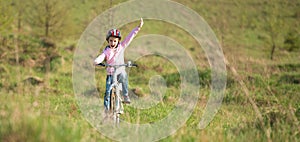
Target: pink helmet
(113,33)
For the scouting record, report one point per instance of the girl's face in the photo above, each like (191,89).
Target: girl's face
(113,42)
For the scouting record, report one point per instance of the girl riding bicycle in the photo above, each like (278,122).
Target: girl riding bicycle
(113,53)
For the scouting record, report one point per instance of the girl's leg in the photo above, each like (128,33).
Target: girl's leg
(122,77)
(107,92)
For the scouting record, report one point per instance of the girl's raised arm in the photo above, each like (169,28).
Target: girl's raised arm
(132,34)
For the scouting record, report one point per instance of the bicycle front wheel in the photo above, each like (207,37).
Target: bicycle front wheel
(114,103)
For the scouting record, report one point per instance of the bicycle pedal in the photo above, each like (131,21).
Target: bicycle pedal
(120,112)
(124,102)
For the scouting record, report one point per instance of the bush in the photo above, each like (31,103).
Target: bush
(292,41)
(290,78)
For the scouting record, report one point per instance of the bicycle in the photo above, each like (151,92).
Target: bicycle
(116,106)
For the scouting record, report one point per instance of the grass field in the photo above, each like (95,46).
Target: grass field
(261,101)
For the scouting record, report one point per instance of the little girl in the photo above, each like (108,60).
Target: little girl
(114,55)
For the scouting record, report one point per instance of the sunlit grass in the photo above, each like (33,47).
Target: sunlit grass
(49,111)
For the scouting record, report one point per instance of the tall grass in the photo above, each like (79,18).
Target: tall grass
(39,112)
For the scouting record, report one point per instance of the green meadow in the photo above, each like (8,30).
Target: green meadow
(260,40)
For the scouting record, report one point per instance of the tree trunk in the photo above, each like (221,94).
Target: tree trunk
(272,51)
(47,20)
(19,21)
(273,48)
(47,28)
(17,64)
(17,45)
(47,75)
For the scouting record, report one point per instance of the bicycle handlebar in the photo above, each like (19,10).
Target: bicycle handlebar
(101,64)
(129,64)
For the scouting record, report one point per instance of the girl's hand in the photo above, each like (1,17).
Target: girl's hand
(141,23)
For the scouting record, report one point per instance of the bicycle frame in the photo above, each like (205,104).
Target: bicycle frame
(116,106)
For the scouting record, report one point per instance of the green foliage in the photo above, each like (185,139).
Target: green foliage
(205,77)
(173,79)
(6,16)
(292,41)
(39,112)
(290,67)
(290,78)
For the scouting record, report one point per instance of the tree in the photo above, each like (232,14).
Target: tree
(274,23)
(18,7)
(46,19)
(47,15)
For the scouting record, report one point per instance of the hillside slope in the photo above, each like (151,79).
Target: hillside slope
(38,102)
